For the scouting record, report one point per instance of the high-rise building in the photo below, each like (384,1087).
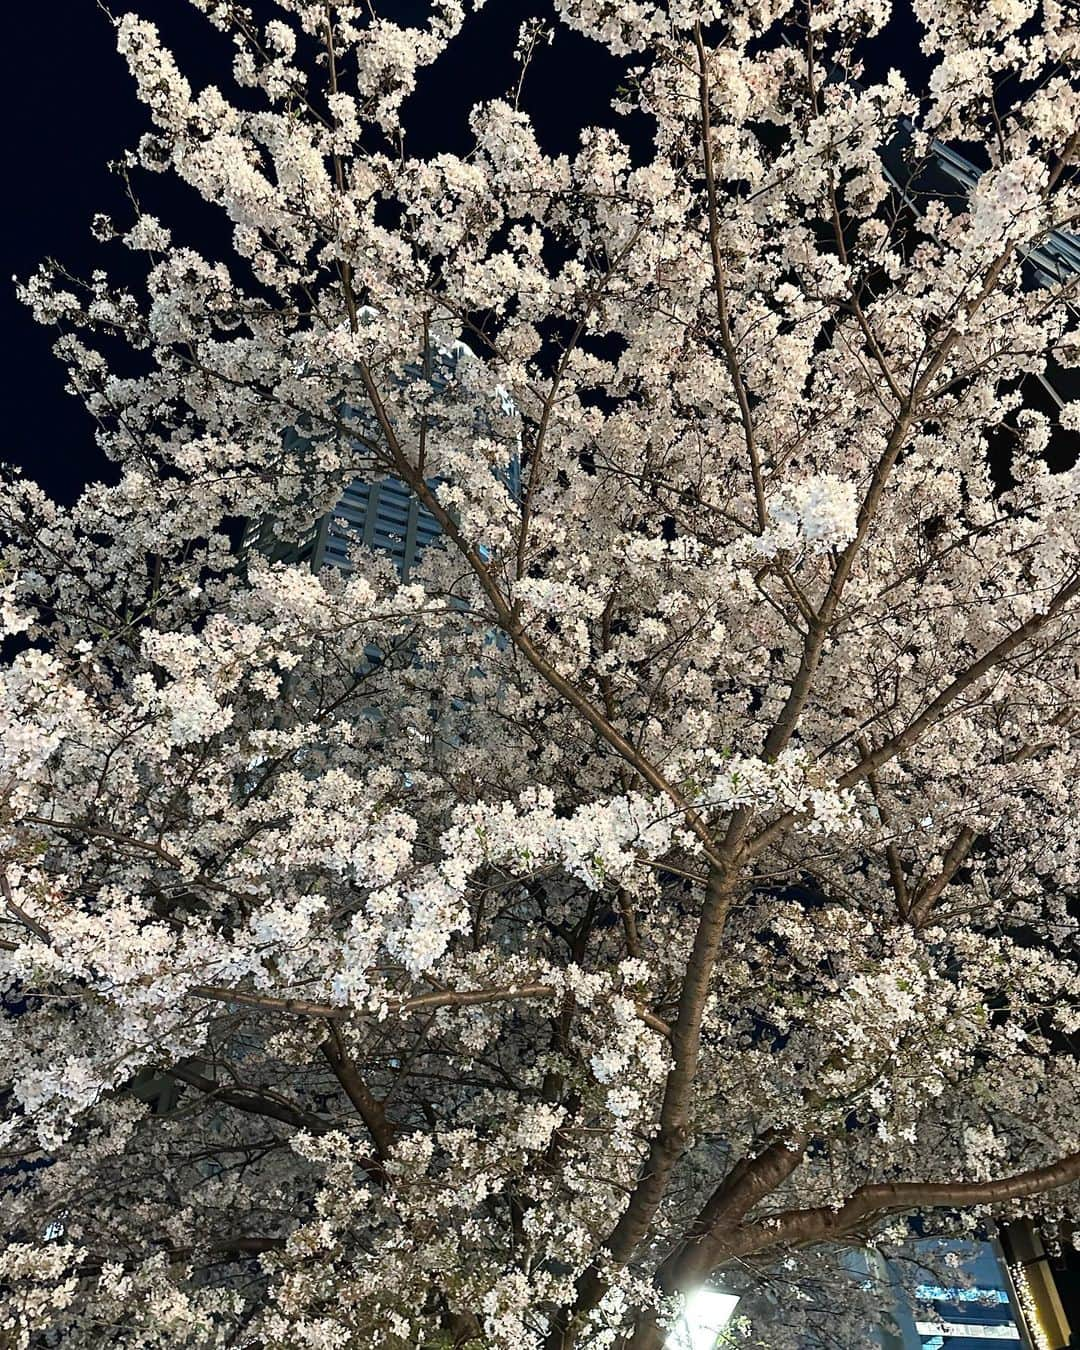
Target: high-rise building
(947,176)
(961,1294)
(382,514)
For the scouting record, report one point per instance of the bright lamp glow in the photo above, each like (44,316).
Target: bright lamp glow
(707,1313)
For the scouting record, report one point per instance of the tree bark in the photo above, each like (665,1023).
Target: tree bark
(686,1268)
(803,1226)
(673,1132)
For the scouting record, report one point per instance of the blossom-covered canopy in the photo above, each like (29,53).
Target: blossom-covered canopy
(674,878)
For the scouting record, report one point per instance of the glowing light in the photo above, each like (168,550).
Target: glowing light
(936,1294)
(707,1313)
(1029,1308)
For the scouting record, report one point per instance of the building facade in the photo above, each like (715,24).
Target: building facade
(966,1294)
(383,514)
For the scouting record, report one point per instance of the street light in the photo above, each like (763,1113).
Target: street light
(707,1313)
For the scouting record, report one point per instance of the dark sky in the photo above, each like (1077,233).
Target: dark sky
(69,116)
(74,109)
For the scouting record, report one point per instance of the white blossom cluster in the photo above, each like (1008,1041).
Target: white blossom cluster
(685,849)
(599,843)
(792,782)
(816,514)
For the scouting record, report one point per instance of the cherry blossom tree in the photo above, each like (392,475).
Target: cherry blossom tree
(670,882)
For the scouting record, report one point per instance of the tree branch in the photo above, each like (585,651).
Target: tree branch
(824,1223)
(892,853)
(17,912)
(442,998)
(224,1249)
(927,895)
(511,626)
(669,1140)
(934,710)
(251,1100)
(748,1182)
(727,342)
(367,1104)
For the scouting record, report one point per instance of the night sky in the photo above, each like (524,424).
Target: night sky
(74,110)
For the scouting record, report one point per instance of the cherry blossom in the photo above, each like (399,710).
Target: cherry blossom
(672,879)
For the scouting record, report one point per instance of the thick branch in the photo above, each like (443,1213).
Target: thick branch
(749,1181)
(367,1104)
(824,1224)
(251,1100)
(671,1136)
(670,1139)
(747,1184)
(927,895)
(296,1007)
